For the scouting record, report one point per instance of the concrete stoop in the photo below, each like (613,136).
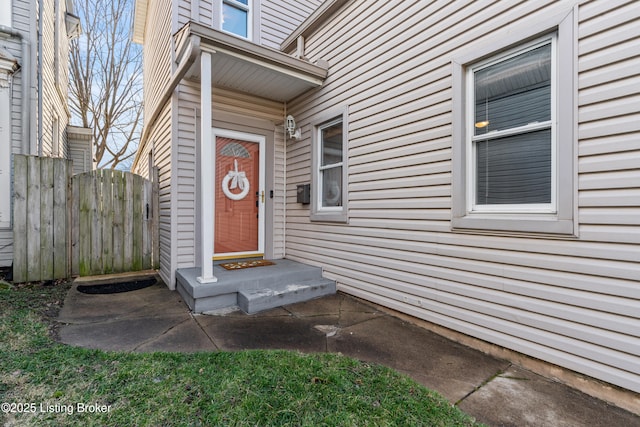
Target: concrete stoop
(254,301)
(253,289)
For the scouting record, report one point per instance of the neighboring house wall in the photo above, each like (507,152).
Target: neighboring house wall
(571,301)
(22,21)
(55,79)
(7,69)
(46,99)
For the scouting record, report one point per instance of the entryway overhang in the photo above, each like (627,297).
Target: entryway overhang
(243,66)
(220,60)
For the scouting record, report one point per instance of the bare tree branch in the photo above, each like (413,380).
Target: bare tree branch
(105,80)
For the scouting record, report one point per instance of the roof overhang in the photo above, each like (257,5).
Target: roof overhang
(238,65)
(139,21)
(243,66)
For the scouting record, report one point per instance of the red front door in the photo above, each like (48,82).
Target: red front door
(238,197)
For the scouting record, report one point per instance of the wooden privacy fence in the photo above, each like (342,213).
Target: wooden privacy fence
(41,238)
(112,223)
(97,222)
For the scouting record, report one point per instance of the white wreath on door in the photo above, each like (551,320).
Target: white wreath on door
(238,180)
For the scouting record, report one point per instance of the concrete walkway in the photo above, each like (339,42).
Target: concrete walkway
(493,391)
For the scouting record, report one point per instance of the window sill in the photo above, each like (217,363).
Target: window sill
(329,216)
(515,223)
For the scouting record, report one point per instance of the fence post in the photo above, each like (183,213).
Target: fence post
(33,219)
(20,264)
(65,193)
(106,218)
(46,208)
(119,214)
(138,235)
(74,224)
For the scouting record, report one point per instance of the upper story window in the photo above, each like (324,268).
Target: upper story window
(236,17)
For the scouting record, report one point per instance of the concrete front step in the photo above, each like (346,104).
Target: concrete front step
(202,297)
(254,301)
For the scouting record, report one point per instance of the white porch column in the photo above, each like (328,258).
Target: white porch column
(207,173)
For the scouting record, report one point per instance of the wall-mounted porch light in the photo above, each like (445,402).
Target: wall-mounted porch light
(291,128)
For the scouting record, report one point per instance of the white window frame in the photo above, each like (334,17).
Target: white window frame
(329,213)
(555,218)
(472,204)
(322,168)
(239,5)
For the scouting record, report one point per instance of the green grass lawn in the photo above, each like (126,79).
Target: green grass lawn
(63,385)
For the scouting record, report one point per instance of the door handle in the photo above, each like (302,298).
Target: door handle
(262,196)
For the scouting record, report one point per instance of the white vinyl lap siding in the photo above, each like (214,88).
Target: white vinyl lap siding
(54,90)
(279,18)
(20,22)
(279,192)
(609,123)
(157,68)
(185,194)
(571,302)
(160,142)
(200,11)
(157,58)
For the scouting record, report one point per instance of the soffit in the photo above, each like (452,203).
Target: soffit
(240,65)
(139,21)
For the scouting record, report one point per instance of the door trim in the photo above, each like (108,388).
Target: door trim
(261,141)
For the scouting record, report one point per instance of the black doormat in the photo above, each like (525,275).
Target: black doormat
(114,288)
